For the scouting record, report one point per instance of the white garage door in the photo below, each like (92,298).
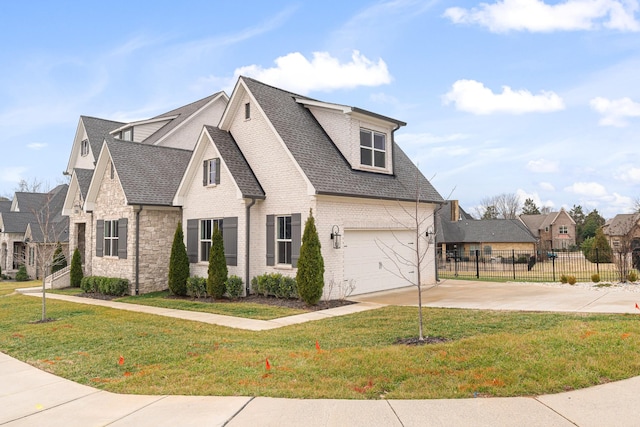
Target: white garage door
(367,265)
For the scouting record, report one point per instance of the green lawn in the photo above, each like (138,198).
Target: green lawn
(8,287)
(489,353)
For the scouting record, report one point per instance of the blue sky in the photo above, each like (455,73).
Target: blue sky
(536,98)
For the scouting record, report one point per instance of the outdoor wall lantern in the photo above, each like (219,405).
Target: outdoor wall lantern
(429,234)
(336,237)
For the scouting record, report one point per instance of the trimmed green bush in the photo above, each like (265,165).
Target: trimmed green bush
(234,286)
(59,260)
(310,275)
(571,280)
(75,272)
(632,276)
(197,287)
(104,285)
(275,284)
(564,278)
(595,277)
(21,275)
(217,271)
(178,264)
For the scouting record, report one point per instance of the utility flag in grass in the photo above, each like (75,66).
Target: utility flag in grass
(267,364)
(121,361)
(317,345)
(637,306)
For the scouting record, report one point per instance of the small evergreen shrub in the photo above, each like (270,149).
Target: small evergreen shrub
(234,287)
(632,276)
(75,272)
(217,271)
(564,278)
(275,284)
(571,280)
(197,287)
(178,264)
(310,275)
(104,285)
(59,260)
(21,275)
(595,277)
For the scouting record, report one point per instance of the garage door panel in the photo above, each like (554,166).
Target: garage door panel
(367,265)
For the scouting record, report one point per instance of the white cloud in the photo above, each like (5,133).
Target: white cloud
(12,174)
(547,186)
(616,111)
(323,73)
(36,146)
(473,97)
(629,174)
(428,138)
(523,195)
(542,166)
(587,189)
(537,16)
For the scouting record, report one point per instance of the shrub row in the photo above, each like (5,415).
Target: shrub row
(104,285)
(197,287)
(275,284)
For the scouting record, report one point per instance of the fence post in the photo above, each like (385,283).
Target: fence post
(477,264)
(597,262)
(553,267)
(513,262)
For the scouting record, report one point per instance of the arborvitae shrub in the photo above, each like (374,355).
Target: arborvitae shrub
(21,275)
(217,271)
(75,272)
(59,260)
(178,264)
(310,275)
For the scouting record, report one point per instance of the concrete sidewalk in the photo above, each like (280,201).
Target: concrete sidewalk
(30,397)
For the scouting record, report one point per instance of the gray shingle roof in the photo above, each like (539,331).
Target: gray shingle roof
(621,224)
(16,222)
(84,180)
(96,130)
(236,163)
(322,162)
(149,174)
(486,231)
(183,114)
(5,205)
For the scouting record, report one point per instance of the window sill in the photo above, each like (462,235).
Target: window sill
(282,267)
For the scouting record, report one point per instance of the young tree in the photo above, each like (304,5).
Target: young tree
(490,212)
(310,275)
(530,208)
(592,223)
(578,216)
(178,264)
(217,271)
(75,272)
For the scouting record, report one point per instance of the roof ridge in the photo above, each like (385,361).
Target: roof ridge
(175,110)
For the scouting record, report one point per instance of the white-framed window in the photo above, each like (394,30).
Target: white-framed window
(283,239)
(206,232)
(373,148)
(211,172)
(111,237)
(84,147)
(32,255)
(563,229)
(126,134)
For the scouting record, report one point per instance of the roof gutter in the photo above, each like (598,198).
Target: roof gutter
(247,251)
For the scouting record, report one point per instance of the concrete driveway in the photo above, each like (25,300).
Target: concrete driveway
(510,296)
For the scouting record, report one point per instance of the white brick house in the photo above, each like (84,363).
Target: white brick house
(254,164)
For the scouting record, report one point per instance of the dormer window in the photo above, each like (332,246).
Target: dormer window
(127,134)
(84,147)
(373,149)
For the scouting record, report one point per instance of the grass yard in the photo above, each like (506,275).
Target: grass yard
(8,287)
(489,353)
(236,309)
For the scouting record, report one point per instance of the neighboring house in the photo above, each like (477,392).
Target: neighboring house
(623,232)
(131,179)
(458,234)
(256,169)
(33,224)
(555,230)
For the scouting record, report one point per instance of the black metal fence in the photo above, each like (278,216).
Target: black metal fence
(526,266)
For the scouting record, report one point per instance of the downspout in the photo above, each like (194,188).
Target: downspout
(138,249)
(435,238)
(247,279)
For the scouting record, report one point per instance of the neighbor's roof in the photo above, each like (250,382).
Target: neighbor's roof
(321,161)
(16,222)
(149,174)
(236,163)
(96,130)
(486,231)
(621,224)
(5,205)
(182,113)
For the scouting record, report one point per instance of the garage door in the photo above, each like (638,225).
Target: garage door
(366,264)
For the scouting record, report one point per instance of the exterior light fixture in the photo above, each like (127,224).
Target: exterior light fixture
(336,237)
